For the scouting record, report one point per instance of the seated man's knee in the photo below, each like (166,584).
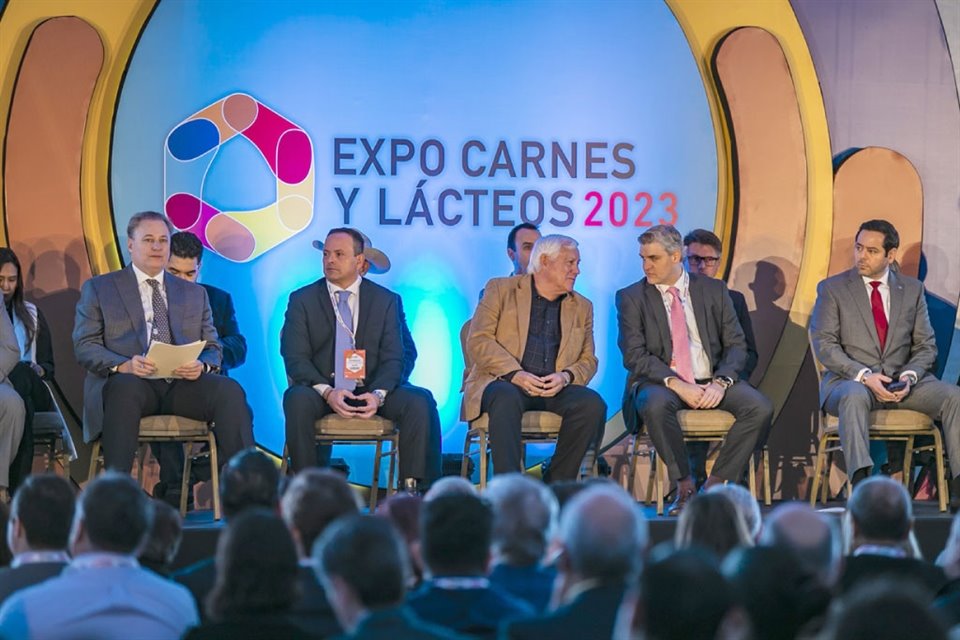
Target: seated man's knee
(656,400)
(298,398)
(856,395)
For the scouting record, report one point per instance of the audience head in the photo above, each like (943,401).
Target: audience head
(343,256)
(702,251)
(811,537)
(779,594)
(602,535)
(402,510)
(883,610)
(879,512)
(163,539)
(660,253)
(450,486)
(745,503)
(186,253)
(256,567)
(112,515)
(314,499)
(148,241)
(250,479)
(674,588)
(949,558)
(363,566)
(555,261)
(711,521)
(520,243)
(40,515)
(875,248)
(455,535)
(524,517)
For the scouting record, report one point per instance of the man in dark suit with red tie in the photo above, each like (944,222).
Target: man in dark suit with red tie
(342,348)
(684,349)
(870,329)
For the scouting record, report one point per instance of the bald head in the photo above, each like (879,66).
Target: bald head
(604,534)
(809,535)
(880,511)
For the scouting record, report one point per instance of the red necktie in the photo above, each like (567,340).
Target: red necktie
(879,317)
(682,359)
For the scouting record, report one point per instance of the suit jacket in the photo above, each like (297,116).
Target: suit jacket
(409,348)
(868,568)
(498,337)
(591,616)
(13,579)
(844,336)
(645,335)
(310,330)
(232,342)
(743,315)
(398,623)
(475,612)
(110,328)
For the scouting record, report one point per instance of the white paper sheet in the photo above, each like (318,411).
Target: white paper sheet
(168,357)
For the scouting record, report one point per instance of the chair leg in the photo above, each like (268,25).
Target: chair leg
(375,482)
(94,460)
(908,464)
(943,487)
(392,480)
(464,465)
(767,489)
(818,469)
(484,460)
(652,477)
(214,475)
(752,480)
(185,481)
(658,480)
(631,466)
(283,460)
(142,451)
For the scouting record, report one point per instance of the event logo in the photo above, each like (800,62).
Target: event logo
(191,148)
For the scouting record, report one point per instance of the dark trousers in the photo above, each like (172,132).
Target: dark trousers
(210,398)
(657,407)
(36,397)
(411,408)
(583,414)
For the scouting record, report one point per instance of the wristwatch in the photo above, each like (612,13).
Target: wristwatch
(724,381)
(381,395)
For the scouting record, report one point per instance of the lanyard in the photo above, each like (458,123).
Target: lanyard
(461,583)
(336,312)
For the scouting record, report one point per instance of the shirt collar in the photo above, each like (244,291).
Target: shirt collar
(34,557)
(103,560)
(682,284)
(884,279)
(142,277)
(353,288)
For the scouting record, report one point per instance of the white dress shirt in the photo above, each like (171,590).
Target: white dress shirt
(698,355)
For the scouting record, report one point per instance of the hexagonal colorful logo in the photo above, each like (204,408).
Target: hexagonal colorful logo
(191,148)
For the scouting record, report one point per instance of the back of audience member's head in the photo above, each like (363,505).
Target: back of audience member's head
(112,515)
(745,503)
(882,610)
(43,509)
(880,511)
(256,565)
(403,512)
(780,595)
(455,535)
(250,479)
(949,558)
(524,517)
(603,534)
(314,499)
(450,486)
(363,566)
(163,539)
(711,521)
(812,537)
(683,597)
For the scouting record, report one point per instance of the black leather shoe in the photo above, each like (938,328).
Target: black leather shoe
(683,497)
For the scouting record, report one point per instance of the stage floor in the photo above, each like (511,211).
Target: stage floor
(931,527)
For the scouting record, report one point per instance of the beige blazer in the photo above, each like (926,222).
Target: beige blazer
(498,336)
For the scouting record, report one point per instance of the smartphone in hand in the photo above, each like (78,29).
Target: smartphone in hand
(896,385)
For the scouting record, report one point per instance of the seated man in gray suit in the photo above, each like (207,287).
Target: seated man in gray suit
(871,332)
(118,316)
(684,349)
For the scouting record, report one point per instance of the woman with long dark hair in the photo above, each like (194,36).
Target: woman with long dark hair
(36,359)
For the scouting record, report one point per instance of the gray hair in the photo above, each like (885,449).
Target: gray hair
(525,515)
(813,538)
(450,486)
(137,218)
(664,234)
(549,246)
(745,503)
(604,534)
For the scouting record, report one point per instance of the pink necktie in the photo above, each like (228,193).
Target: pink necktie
(682,361)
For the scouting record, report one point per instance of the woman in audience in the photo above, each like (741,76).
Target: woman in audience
(712,522)
(256,581)
(36,359)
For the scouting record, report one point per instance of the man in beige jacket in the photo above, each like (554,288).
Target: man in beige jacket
(530,348)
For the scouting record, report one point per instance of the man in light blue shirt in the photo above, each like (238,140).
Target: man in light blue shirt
(103,593)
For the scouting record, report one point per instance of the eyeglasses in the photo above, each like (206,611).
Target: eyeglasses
(707,260)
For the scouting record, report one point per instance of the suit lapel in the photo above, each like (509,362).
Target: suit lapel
(700,313)
(363,310)
(568,314)
(524,300)
(130,296)
(326,306)
(655,300)
(896,300)
(175,300)
(858,294)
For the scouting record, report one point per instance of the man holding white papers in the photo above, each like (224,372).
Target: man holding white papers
(119,315)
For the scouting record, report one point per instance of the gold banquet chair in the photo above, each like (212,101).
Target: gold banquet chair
(335,429)
(184,431)
(51,432)
(535,427)
(890,425)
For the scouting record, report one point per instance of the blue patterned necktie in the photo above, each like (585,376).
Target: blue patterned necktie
(161,321)
(344,342)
